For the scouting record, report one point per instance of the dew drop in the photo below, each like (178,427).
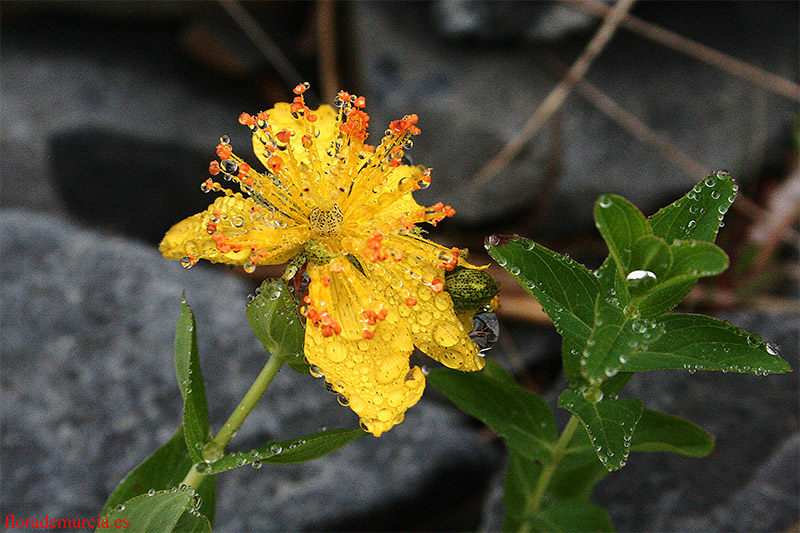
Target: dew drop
(772,348)
(276,449)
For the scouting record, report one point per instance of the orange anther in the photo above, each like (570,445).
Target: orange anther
(306,139)
(327,331)
(213,168)
(244,168)
(300,88)
(284,135)
(211,227)
(382,314)
(411,302)
(296,107)
(437,285)
(326,280)
(336,268)
(246,119)
(275,163)
(367,334)
(311,117)
(360,102)
(263,115)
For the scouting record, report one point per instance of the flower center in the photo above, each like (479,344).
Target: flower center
(325,221)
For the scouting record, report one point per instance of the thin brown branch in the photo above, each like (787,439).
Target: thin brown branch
(558,95)
(644,134)
(325,21)
(627,121)
(766,80)
(268,48)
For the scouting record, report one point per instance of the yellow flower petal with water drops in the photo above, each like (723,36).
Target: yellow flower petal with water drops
(435,329)
(360,346)
(234,230)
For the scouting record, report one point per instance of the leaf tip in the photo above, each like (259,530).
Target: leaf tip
(497,239)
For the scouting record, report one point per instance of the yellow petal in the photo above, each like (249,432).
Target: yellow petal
(373,374)
(234,230)
(280,117)
(435,329)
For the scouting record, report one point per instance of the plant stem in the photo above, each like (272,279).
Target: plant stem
(560,449)
(216,447)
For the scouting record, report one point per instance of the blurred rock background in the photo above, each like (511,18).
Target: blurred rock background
(110,114)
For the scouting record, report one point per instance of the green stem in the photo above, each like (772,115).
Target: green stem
(559,451)
(216,447)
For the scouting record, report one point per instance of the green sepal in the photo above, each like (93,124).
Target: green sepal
(275,321)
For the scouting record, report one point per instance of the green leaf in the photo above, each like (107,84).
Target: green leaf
(570,515)
(288,452)
(565,289)
(660,432)
(523,419)
(273,316)
(698,214)
(621,224)
(609,422)
(699,342)
(164,469)
(614,338)
(190,382)
(691,260)
(162,511)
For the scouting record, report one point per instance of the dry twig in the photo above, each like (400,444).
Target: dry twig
(766,80)
(271,51)
(325,21)
(558,95)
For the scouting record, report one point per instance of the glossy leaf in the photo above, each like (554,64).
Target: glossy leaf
(609,422)
(523,419)
(164,469)
(614,338)
(273,316)
(691,260)
(698,214)
(162,512)
(621,224)
(699,342)
(565,289)
(660,432)
(190,382)
(288,452)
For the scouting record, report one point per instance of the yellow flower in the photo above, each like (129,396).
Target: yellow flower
(345,209)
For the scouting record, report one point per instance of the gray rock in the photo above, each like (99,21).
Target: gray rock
(474,97)
(749,482)
(89,391)
(503,20)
